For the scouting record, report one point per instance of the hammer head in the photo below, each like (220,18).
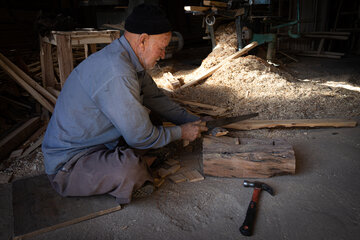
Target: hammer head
(262,186)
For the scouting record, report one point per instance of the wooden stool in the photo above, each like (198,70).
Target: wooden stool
(64,40)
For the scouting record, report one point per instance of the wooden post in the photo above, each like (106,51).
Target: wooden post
(47,67)
(65,56)
(92,48)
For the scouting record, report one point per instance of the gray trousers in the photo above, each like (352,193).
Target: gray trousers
(116,172)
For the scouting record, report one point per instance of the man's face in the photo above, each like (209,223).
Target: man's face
(154,49)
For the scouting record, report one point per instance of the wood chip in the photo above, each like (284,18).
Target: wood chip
(193,176)
(158,182)
(165,172)
(172,162)
(178,178)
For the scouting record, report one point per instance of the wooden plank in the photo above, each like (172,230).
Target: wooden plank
(53,91)
(178,178)
(47,67)
(86,50)
(27,87)
(252,158)
(166,172)
(215,4)
(290,123)
(37,208)
(193,176)
(327,36)
(196,8)
(28,79)
(329,33)
(34,137)
(32,147)
(92,48)
(172,162)
(209,72)
(325,53)
(84,37)
(318,55)
(158,182)
(203,108)
(19,135)
(65,57)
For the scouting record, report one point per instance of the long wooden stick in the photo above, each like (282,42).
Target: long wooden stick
(28,79)
(27,87)
(209,72)
(291,123)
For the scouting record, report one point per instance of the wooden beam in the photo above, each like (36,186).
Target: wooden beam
(252,158)
(215,4)
(65,56)
(47,67)
(290,123)
(28,79)
(34,146)
(196,8)
(27,87)
(203,108)
(318,55)
(15,102)
(53,91)
(19,135)
(36,135)
(327,36)
(209,72)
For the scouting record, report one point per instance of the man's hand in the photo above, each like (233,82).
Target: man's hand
(191,131)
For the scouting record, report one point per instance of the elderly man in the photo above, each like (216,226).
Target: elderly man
(105,99)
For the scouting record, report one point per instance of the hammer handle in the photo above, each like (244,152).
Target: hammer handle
(247,227)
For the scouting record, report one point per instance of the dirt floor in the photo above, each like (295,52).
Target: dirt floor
(319,202)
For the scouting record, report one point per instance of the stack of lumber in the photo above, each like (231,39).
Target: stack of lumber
(45,98)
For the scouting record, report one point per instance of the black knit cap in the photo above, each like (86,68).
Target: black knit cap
(147,18)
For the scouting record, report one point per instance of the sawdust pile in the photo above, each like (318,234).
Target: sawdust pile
(250,84)
(226,40)
(226,43)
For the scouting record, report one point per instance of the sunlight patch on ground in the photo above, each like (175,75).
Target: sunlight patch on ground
(341,85)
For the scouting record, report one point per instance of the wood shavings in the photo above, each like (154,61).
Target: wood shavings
(250,84)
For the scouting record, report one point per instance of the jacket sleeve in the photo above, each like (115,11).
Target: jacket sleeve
(119,99)
(157,101)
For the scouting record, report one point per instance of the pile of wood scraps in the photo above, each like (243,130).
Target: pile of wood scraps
(46,99)
(16,150)
(177,174)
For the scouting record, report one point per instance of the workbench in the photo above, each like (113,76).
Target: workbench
(64,41)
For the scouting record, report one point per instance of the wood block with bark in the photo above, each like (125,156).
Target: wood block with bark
(247,158)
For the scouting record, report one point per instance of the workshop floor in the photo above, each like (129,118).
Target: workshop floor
(321,201)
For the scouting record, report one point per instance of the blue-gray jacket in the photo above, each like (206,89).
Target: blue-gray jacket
(103,99)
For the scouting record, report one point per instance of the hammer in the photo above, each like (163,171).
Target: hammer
(247,227)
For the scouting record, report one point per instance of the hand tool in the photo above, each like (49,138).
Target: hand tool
(247,227)
(213,124)
(225,121)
